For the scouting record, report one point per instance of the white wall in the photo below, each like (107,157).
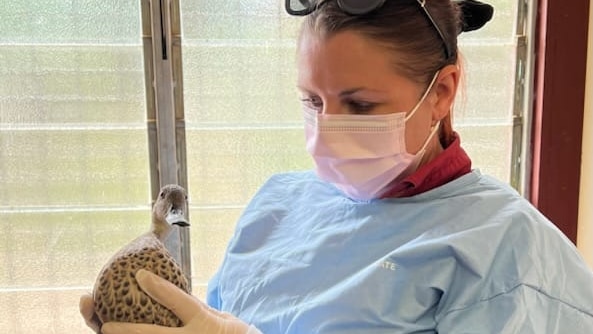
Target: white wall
(585,232)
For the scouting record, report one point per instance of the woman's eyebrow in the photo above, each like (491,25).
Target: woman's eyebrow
(304,90)
(350,91)
(344,93)
(355,90)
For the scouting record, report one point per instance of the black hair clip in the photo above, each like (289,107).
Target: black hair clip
(475,14)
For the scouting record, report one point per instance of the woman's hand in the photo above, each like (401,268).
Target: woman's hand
(196,316)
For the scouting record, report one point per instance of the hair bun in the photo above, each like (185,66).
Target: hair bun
(475,14)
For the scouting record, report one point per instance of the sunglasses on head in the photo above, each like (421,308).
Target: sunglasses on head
(358,7)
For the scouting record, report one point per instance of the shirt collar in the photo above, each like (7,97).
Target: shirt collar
(452,163)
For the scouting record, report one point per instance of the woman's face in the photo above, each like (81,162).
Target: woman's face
(347,73)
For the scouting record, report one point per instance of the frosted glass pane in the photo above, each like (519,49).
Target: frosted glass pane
(231,164)
(74,174)
(49,259)
(489,147)
(65,84)
(251,20)
(72,167)
(234,84)
(488,87)
(56,249)
(483,112)
(76,21)
(41,311)
(243,114)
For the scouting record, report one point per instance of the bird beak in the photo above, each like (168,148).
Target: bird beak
(176,217)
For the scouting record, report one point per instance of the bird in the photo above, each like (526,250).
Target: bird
(116,294)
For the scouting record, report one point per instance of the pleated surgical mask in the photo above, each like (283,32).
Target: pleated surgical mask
(362,154)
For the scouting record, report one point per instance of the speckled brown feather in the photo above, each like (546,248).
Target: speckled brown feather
(117,296)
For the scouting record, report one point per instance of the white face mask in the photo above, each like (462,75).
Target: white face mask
(362,154)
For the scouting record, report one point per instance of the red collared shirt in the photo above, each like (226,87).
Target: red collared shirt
(452,163)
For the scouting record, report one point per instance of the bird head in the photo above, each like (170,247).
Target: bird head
(169,209)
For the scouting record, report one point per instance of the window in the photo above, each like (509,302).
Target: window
(74,158)
(73,153)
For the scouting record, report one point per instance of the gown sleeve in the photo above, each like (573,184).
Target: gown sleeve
(523,309)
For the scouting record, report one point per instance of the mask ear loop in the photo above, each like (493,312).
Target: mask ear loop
(434,79)
(434,130)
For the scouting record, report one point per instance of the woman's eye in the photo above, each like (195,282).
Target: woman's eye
(359,107)
(312,102)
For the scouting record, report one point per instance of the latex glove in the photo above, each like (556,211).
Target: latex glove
(87,310)
(197,317)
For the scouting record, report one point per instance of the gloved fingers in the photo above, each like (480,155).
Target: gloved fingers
(129,328)
(167,294)
(87,310)
(225,315)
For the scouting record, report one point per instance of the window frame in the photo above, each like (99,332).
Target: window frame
(165,115)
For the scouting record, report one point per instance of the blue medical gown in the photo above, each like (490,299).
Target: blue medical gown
(471,256)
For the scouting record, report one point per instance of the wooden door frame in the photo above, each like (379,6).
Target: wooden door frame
(559,106)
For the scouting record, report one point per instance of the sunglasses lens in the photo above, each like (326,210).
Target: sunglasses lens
(300,7)
(353,7)
(359,7)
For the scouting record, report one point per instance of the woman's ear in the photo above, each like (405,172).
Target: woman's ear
(445,91)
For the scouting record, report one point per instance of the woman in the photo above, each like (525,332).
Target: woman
(393,232)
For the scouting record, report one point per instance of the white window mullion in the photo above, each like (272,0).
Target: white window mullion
(523,95)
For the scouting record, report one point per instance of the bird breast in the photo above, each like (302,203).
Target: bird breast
(117,295)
